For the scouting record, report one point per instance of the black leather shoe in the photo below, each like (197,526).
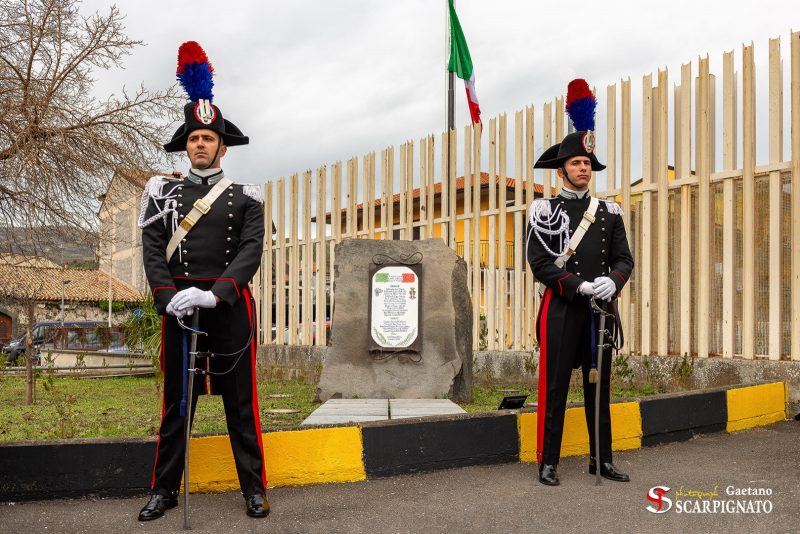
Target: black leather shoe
(548,475)
(257,505)
(607,470)
(156,506)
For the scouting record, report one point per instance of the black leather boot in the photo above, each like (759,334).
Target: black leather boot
(157,505)
(257,505)
(607,470)
(548,475)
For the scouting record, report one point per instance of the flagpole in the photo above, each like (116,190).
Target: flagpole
(450,107)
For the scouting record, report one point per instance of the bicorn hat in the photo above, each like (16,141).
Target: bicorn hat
(581,104)
(195,75)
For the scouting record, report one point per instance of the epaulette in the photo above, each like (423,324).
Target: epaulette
(540,209)
(613,208)
(254,191)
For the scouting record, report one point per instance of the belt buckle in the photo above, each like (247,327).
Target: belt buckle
(588,216)
(201,206)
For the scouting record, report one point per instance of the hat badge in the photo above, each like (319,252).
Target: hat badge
(204,112)
(588,141)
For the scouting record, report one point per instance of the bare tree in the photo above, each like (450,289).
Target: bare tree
(59,143)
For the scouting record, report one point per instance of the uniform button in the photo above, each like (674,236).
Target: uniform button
(227,252)
(180,196)
(602,218)
(227,239)
(230,228)
(180,216)
(603,250)
(227,263)
(186,264)
(230,215)
(604,240)
(603,229)
(185,252)
(230,194)
(180,205)
(185,274)
(602,263)
(183,240)
(578,274)
(230,203)
(576,262)
(230,187)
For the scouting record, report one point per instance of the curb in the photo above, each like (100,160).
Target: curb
(74,468)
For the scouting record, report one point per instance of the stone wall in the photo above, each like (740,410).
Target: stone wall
(51,311)
(522,368)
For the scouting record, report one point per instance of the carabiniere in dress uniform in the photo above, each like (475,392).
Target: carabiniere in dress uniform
(202,241)
(578,249)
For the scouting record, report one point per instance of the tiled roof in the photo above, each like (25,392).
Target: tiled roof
(26,261)
(44,284)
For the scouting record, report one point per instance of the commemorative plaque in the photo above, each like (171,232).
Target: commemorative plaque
(395,310)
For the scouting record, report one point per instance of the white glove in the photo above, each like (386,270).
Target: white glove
(604,288)
(189,298)
(586,288)
(179,314)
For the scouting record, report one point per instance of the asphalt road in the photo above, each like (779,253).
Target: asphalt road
(501,498)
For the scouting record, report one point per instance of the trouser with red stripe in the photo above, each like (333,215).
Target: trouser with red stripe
(229,329)
(563,330)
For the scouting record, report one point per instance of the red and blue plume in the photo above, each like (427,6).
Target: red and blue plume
(195,72)
(581,104)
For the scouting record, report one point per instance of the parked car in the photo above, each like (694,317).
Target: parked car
(46,333)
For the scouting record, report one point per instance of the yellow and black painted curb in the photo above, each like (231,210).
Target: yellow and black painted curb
(37,470)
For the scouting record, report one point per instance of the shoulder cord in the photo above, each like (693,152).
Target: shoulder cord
(169,206)
(543,223)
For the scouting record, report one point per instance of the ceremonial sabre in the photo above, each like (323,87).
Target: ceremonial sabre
(601,345)
(187,427)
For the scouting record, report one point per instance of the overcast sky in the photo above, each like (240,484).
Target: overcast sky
(312,82)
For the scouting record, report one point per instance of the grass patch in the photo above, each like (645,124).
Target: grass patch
(70,407)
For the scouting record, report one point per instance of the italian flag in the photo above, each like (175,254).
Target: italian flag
(461,64)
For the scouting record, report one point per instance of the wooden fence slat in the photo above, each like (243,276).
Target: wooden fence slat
(547,135)
(662,301)
(683,155)
(430,178)
(466,206)
(748,201)
(424,216)
(625,178)
(280,272)
(644,314)
(795,202)
(307,254)
(530,302)
(611,137)
(728,205)
(294,259)
(775,156)
(322,248)
(490,295)
(518,266)
(390,193)
(410,190)
(502,317)
(477,293)
(403,191)
(268,269)
(703,201)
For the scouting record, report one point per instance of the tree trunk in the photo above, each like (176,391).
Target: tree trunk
(29,355)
